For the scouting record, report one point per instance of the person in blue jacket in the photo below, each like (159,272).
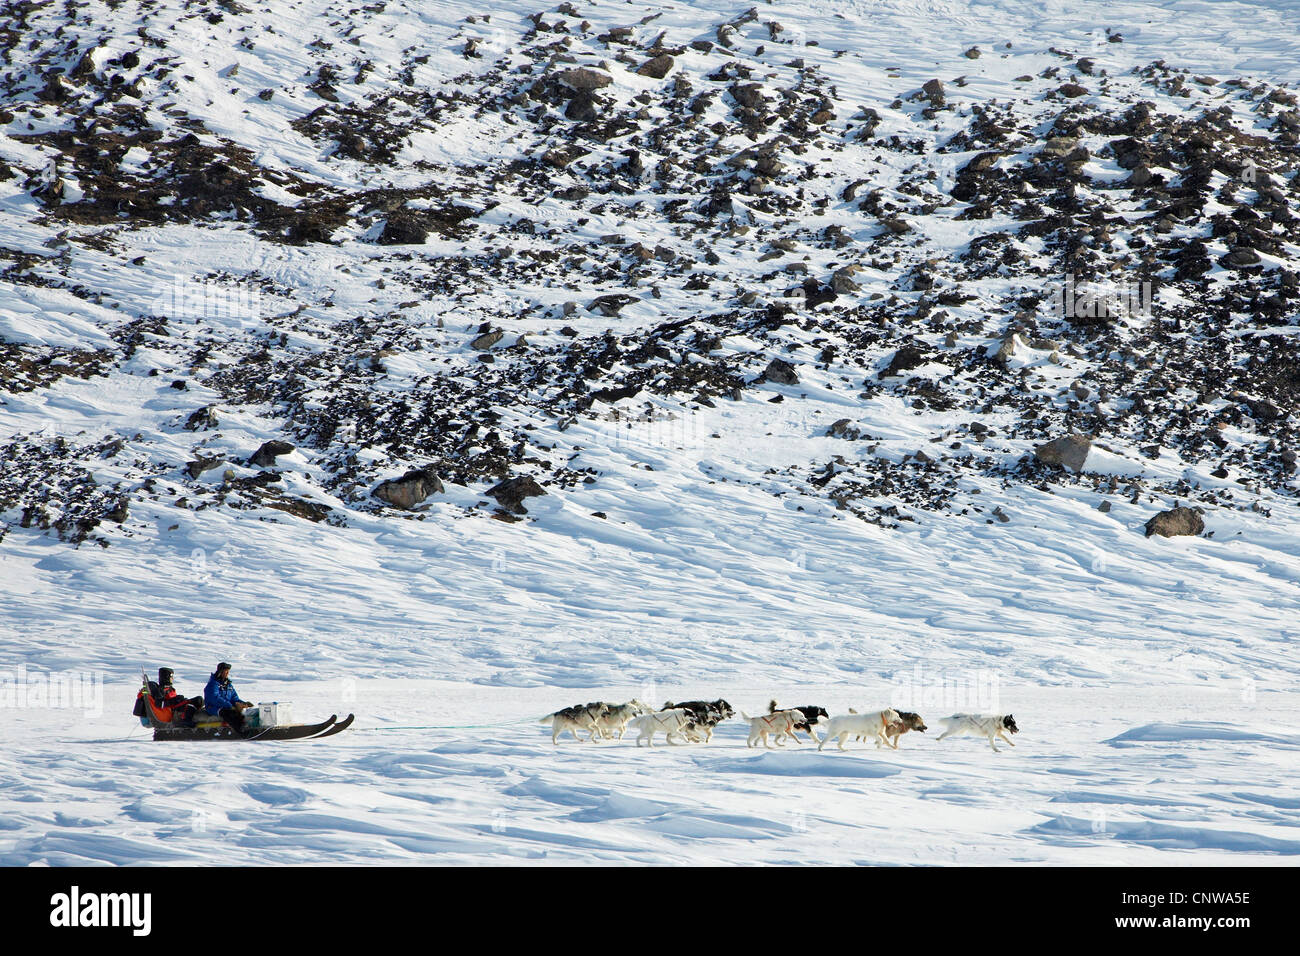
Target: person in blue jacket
(220,699)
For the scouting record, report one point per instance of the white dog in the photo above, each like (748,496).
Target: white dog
(778,723)
(989,726)
(671,722)
(614,722)
(865,725)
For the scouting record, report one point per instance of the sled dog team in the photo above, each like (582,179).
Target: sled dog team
(694,720)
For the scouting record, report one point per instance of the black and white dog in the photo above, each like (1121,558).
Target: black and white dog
(989,726)
(705,715)
(811,714)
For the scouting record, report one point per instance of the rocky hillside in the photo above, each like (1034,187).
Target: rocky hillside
(344,261)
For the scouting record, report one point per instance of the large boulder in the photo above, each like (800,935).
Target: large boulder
(486,340)
(610,305)
(906,358)
(1241,256)
(933,90)
(203,463)
(656,67)
(582,78)
(1069,452)
(1177,521)
(815,294)
(510,494)
(265,456)
(845,429)
(781,372)
(403,227)
(581,109)
(842,279)
(409,490)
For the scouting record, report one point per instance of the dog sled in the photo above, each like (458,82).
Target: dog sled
(202,726)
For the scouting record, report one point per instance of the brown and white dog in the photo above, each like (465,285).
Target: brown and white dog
(575,718)
(780,725)
(866,725)
(989,726)
(909,721)
(906,721)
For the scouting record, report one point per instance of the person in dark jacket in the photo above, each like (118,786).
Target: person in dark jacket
(222,700)
(165,696)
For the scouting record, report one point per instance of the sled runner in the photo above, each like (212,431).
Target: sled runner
(206,727)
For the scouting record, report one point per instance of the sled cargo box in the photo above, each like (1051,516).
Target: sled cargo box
(273,714)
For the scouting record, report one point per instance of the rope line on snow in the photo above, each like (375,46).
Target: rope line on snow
(504,723)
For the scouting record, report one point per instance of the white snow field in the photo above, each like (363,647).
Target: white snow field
(1154,680)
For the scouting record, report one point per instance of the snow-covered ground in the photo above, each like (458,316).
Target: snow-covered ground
(1101,775)
(1153,680)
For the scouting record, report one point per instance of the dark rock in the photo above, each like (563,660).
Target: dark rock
(298,507)
(907,357)
(610,305)
(1241,256)
(1069,452)
(1140,176)
(55,90)
(118,513)
(851,190)
(203,419)
(781,372)
(1178,521)
(202,464)
(485,341)
(842,279)
(844,429)
(870,120)
(580,109)
(1262,410)
(265,456)
(409,490)
(749,95)
(583,78)
(657,67)
(512,492)
(815,294)
(403,228)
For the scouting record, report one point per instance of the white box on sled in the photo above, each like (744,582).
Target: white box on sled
(273,714)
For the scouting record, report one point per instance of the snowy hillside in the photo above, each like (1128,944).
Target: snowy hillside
(454,369)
